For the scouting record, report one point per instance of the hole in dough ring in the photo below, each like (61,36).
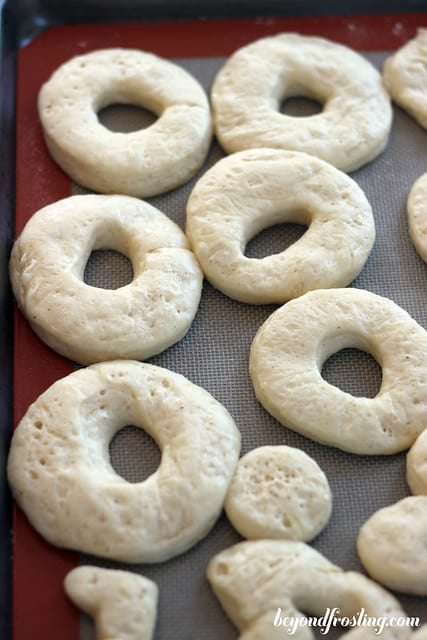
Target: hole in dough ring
(278,579)
(351,130)
(61,476)
(278,492)
(290,348)
(88,324)
(417,215)
(140,163)
(251,190)
(123,604)
(391,545)
(405,77)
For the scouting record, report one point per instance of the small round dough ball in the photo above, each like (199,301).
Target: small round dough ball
(416,466)
(405,77)
(392,545)
(417,215)
(278,492)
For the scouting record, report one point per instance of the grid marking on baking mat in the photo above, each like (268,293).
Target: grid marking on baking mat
(214,354)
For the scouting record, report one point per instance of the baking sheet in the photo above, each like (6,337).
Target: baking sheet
(214,354)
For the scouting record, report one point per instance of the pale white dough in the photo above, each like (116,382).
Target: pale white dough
(392,545)
(353,127)
(140,163)
(278,492)
(254,579)
(416,465)
(123,604)
(292,345)
(405,77)
(89,324)
(417,215)
(60,473)
(252,190)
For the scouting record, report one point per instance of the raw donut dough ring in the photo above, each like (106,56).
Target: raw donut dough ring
(123,604)
(392,545)
(405,77)
(416,466)
(61,476)
(417,215)
(140,163)
(351,130)
(89,324)
(254,579)
(251,190)
(278,492)
(290,348)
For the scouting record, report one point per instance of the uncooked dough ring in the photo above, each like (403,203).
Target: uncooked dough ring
(260,581)
(417,215)
(251,190)
(405,77)
(351,130)
(88,324)
(60,472)
(290,348)
(392,548)
(140,163)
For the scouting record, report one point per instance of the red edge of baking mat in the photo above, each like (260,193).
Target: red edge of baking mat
(41,610)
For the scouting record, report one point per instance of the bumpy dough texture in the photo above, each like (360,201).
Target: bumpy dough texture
(89,324)
(392,545)
(249,191)
(252,580)
(278,492)
(351,130)
(60,472)
(405,77)
(290,348)
(417,215)
(416,466)
(140,163)
(123,604)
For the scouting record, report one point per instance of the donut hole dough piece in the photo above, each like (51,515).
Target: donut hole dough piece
(278,492)
(140,163)
(254,580)
(291,346)
(351,130)
(251,190)
(405,77)
(60,472)
(416,466)
(417,215)
(123,604)
(392,545)
(88,324)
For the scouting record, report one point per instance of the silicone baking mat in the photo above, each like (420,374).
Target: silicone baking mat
(214,354)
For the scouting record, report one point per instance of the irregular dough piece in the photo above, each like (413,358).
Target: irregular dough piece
(290,348)
(416,466)
(140,163)
(123,604)
(89,324)
(392,545)
(253,580)
(417,215)
(60,472)
(252,190)
(405,77)
(278,492)
(351,130)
